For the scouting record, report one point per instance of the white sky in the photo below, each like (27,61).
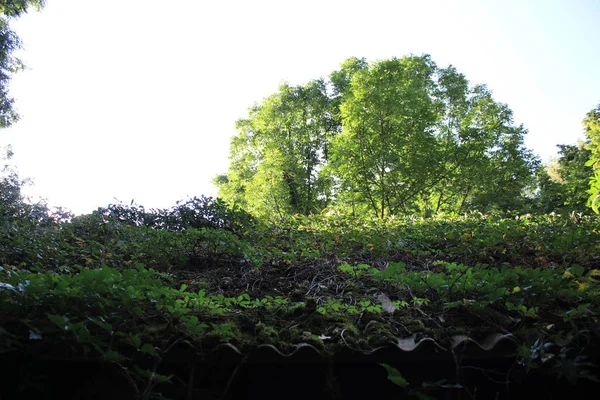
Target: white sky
(137,99)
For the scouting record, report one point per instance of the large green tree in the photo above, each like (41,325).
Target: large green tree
(277,154)
(592,132)
(10,184)
(396,136)
(418,139)
(388,117)
(485,165)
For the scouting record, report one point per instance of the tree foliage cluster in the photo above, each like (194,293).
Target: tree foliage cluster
(9,42)
(564,183)
(395,137)
(570,183)
(592,131)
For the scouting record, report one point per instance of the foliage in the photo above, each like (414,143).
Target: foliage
(470,238)
(592,132)
(196,212)
(103,313)
(399,149)
(123,285)
(394,376)
(564,183)
(9,42)
(276,156)
(522,290)
(29,230)
(396,137)
(15,8)
(387,115)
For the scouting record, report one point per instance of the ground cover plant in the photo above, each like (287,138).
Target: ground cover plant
(115,288)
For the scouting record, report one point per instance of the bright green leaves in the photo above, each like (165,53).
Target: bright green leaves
(592,132)
(277,154)
(268,193)
(564,183)
(396,137)
(522,290)
(386,143)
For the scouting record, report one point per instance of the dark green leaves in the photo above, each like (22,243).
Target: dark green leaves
(394,376)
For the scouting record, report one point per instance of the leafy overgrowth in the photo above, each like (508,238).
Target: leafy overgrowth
(111,287)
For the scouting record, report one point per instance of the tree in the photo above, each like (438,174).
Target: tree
(15,8)
(10,184)
(592,132)
(275,157)
(398,136)
(9,42)
(388,118)
(418,139)
(564,182)
(483,164)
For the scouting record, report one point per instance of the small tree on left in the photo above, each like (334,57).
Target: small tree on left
(9,64)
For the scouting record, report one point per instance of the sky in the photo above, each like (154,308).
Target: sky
(137,99)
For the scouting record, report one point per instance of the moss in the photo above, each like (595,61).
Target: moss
(457,330)
(415,325)
(345,334)
(314,340)
(266,334)
(351,328)
(377,332)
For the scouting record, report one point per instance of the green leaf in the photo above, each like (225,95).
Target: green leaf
(577,270)
(148,349)
(395,376)
(114,356)
(136,341)
(61,321)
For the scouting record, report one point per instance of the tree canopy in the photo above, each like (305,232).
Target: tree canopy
(564,182)
(9,42)
(277,155)
(397,136)
(592,132)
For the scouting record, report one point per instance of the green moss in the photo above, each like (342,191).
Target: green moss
(314,340)
(266,334)
(377,332)
(415,325)
(457,330)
